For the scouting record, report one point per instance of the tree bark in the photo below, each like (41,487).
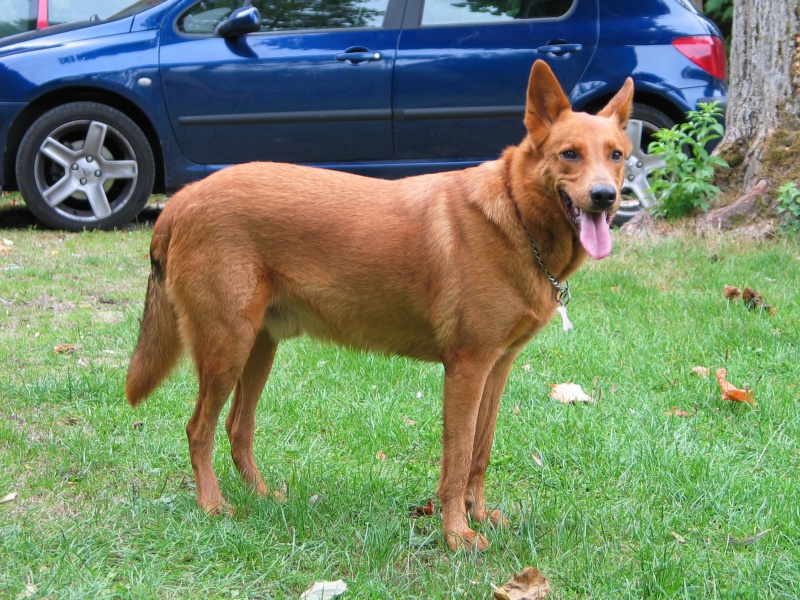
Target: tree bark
(764,94)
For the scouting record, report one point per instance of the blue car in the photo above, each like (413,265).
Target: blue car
(96,115)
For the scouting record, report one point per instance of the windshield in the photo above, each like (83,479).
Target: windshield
(135,8)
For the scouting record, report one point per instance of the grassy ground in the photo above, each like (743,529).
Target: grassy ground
(614,499)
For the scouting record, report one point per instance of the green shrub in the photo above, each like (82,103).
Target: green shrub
(789,205)
(684,185)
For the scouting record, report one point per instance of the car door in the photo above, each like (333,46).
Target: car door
(463,66)
(313,86)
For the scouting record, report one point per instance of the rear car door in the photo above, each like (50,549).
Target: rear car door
(462,70)
(313,86)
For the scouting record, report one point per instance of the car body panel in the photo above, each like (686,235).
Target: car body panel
(440,97)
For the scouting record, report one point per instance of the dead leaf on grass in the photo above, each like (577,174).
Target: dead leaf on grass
(409,422)
(427,510)
(677,412)
(569,393)
(731,392)
(747,541)
(324,590)
(10,497)
(380,455)
(537,459)
(528,585)
(732,292)
(752,300)
(678,537)
(5,245)
(701,371)
(64,349)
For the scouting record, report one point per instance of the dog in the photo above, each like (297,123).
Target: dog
(462,268)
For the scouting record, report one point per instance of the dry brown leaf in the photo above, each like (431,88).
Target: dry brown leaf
(10,497)
(747,541)
(427,510)
(731,392)
(752,300)
(678,537)
(64,349)
(677,412)
(380,455)
(528,585)
(569,393)
(732,293)
(701,371)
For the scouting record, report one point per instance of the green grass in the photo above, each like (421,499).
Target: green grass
(628,502)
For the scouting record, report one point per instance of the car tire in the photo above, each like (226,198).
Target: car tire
(636,195)
(85,165)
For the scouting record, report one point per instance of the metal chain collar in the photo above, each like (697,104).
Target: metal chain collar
(562,290)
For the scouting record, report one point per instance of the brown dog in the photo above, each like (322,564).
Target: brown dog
(437,267)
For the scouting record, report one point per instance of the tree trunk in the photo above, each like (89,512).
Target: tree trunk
(762,139)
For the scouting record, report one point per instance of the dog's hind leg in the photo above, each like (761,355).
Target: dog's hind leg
(241,421)
(463,385)
(484,435)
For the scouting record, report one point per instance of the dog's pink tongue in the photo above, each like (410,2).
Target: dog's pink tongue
(595,234)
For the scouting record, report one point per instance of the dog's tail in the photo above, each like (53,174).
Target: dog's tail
(159,345)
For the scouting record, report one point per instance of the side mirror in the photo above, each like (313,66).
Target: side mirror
(240,22)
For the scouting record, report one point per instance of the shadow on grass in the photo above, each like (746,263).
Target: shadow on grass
(16,216)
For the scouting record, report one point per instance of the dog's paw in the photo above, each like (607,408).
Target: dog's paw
(468,540)
(217,508)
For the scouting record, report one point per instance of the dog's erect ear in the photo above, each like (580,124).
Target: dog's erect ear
(546,101)
(620,106)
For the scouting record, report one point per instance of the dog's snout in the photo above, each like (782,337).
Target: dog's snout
(603,195)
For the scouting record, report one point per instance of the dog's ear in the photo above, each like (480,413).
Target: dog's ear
(546,101)
(620,106)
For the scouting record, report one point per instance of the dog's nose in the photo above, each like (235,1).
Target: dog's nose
(603,195)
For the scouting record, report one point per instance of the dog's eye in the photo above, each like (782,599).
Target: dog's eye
(569,155)
(616,156)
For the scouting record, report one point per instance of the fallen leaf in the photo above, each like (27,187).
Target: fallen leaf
(569,393)
(423,511)
(516,410)
(380,455)
(616,289)
(752,300)
(528,585)
(731,392)
(701,371)
(5,245)
(10,497)
(750,539)
(732,292)
(316,499)
(324,590)
(677,412)
(409,422)
(537,459)
(138,425)
(64,349)
(678,537)
(29,592)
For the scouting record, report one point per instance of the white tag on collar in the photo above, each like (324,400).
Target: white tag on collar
(565,322)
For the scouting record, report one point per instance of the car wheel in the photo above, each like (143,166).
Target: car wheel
(85,165)
(636,194)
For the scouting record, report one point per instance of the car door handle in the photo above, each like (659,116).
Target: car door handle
(560,49)
(357,54)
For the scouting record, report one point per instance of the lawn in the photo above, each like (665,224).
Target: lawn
(621,498)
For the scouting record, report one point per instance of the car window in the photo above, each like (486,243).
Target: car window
(68,11)
(289,15)
(16,17)
(448,12)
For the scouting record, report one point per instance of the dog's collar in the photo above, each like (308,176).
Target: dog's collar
(563,295)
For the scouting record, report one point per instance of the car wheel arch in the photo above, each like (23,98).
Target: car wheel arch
(59,97)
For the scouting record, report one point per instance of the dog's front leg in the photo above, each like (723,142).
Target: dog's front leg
(484,435)
(463,387)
